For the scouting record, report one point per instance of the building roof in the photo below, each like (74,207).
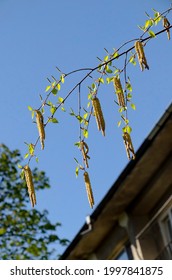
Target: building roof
(136,183)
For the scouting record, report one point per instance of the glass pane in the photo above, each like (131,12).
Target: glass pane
(122,256)
(167,229)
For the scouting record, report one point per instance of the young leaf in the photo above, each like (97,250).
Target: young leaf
(47,88)
(127,129)
(85,115)
(62,79)
(52,110)
(152,34)
(101,80)
(58,86)
(77,171)
(80,119)
(26,155)
(54,120)
(106,58)
(133,106)
(30,108)
(31,149)
(85,133)
(108,70)
(119,123)
(128,86)
(63,109)
(54,91)
(78,145)
(60,99)
(109,79)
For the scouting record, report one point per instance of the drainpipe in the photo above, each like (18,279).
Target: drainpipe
(126,222)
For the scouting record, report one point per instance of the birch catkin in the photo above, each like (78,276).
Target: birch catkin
(88,189)
(98,115)
(84,149)
(40,126)
(119,91)
(166,25)
(141,55)
(30,185)
(128,145)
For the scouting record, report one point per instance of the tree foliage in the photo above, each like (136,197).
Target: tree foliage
(24,234)
(113,68)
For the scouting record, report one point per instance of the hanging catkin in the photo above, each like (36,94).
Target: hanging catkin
(98,115)
(128,145)
(30,185)
(40,126)
(84,149)
(119,91)
(166,25)
(141,55)
(88,189)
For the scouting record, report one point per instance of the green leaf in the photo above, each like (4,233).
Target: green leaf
(79,118)
(148,23)
(30,108)
(127,129)
(62,79)
(78,145)
(58,86)
(101,80)
(132,60)
(89,96)
(115,55)
(19,166)
(47,88)
(129,95)
(93,86)
(60,99)
(88,104)
(77,171)
(26,155)
(52,110)
(54,91)
(133,106)
(151,33)
(109,79)
(121,110)
(37,159)
(128,86)
(31,149)
(85,115)
(54,120)
(119,123)
(108,70)
(63,109)
(106,58)
(85,133)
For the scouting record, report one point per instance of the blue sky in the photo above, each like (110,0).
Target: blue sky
(37,36)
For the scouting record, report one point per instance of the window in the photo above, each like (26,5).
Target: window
(125,254)
(166,229)
(166,226)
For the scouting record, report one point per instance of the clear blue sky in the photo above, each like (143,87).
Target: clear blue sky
(36,36)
